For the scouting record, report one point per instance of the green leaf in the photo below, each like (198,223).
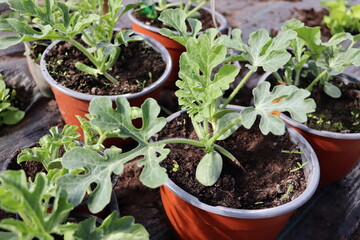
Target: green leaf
(312,38)
(224,121)
(49,151)
(269,104)
(32,204)
(112,228)
(264,51)
(176,18)
(107,47)
(235,42)
(209,168)
(86,69)
(98,170)
(9,41)
(12,117)
(197,89)
(332,90)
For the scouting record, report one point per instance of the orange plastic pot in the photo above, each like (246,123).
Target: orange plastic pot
(175,49)
(338,153)
(72,103)
(192,219)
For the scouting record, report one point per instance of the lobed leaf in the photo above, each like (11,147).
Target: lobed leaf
(32,204)
(269,104)
(112,228)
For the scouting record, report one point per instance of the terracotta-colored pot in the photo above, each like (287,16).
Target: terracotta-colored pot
(175,49)
(72,103)
(338,153)
(193,219)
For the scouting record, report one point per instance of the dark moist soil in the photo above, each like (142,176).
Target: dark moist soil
(137,67)
(206,20)
(335,114)
(313,18)
(31,168)
(267,175)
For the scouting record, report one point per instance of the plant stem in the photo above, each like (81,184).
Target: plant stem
(180,140)
(227,154)
(83,50)
(316,80)
(237,89)
(194,9)
(222,131)
(297,77)
(277,76)
(110,78)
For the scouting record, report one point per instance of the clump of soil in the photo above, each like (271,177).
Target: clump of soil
(313,18)
(206,20)
(334,114)
(138,66)
(267,175)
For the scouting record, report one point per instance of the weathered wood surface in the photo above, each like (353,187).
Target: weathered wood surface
(334,211)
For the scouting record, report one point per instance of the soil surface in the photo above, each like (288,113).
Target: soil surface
(334,114)
(37,49)
(265,181)
(206,20)
(313,18)
(337,114)
(137,67)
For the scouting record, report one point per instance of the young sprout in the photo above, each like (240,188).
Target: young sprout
(175,167)
(300,166)
(286,195)
(290,152)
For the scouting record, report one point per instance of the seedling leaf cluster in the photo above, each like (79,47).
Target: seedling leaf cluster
(56,21)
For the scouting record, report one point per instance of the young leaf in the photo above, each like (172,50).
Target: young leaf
(112,228)
(197,89)
(280,99)
(32,204)
(49,151)
(176,18)
(209,168)
(98,170)
(224,121)
(263,51)
(332,90)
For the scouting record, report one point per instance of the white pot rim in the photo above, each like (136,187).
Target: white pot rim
(88,97)
(219,17)
(303,127)
(313,169)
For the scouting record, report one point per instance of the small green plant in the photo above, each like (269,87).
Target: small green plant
(175,167)
(324,60)
(149,8)
(8,114)
(55,21)
(44,209)
(286,195)
(291,152)
(342,16)
(300,166)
